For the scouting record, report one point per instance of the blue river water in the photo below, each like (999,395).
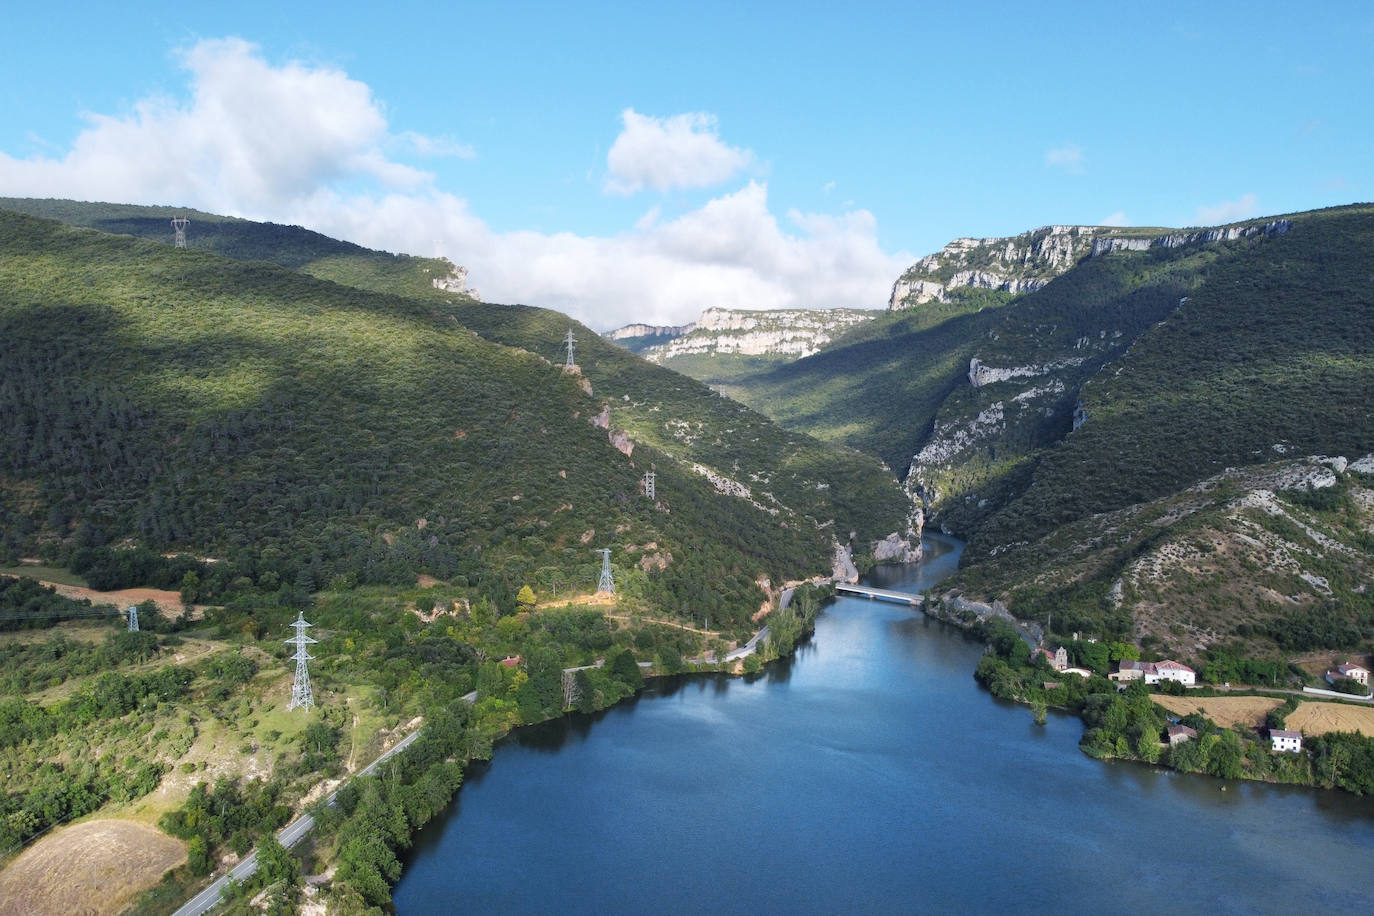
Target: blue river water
(869,774)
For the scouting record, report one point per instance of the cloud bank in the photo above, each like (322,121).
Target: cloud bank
(683,151)
(307,144)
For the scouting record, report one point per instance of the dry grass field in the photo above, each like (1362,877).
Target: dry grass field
(1320,718)
(1225,711)
(91,869)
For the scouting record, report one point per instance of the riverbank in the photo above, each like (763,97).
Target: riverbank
(874,737)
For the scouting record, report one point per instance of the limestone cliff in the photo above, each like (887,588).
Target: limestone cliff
(1028,261)
(1018,264)
(787,332)
(455,281)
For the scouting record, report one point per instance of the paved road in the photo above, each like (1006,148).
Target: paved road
(289,836)
(750,647)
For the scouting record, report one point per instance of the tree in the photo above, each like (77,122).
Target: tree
(623,667)
(275,862)
(198,856)
(190,588)
(525,597)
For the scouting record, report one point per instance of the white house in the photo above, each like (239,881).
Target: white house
(1179,734)
(1284,740)
(1357,673)
(1170,670)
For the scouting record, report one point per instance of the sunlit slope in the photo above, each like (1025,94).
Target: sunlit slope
(178,400)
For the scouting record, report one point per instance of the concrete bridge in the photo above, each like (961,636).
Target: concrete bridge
(884,594)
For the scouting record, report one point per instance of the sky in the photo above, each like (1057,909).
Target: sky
(629,164)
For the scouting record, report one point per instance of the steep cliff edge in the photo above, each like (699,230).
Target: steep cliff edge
(1026,262)
(793,333)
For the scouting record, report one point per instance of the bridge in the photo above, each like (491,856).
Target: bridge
(882,593)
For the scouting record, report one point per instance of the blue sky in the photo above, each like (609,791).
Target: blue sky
(624,163)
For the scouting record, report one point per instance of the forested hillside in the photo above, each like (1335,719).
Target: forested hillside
(1063,431)
(246,240)
(307,432)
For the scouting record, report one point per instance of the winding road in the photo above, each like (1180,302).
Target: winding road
(288,836)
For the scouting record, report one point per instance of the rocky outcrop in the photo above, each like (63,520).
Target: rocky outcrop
(980,374)
(622,442)
(895,549)
(1028,261)
(843,568)
(787,332)
(1180,239)
(648,330)
(455,281)
(1019,264)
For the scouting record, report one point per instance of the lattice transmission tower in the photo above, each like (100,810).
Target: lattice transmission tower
(179,225)
(133,618)
(607,584)
(300,690)
(570,340)
(649,483)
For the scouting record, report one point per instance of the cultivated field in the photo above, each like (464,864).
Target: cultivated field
(1225,711)
(92,868)
(1320,718)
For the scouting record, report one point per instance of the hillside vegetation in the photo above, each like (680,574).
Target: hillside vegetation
(416,472)
(305,430)
(1120,387)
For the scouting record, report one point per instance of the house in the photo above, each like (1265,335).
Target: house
(1349,671)
(1170,670)
(1129,670)
(1284,740)
(1154,672)
(511,661)
(1180,733)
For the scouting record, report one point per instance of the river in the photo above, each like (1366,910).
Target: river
(868,774)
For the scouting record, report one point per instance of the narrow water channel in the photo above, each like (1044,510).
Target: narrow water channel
(869,774)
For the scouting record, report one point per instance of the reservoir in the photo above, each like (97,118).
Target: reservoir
(868,774)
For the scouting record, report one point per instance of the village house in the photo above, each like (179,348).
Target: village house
(1348,671)
(1179,734)
(1284,740)
(1154,672)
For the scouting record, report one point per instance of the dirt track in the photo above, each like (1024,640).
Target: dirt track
(92,868)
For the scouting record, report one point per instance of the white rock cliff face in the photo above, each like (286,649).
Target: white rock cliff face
(1028,261)
(788,332)
(456,281)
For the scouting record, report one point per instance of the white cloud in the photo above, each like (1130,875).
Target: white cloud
(1116,219)
(308,145)
(731,253)
(250,137)
(1228,210)
(436,146)
(683,151)
(829,186)
(1068,157)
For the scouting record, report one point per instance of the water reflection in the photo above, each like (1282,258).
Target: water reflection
(869,775)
